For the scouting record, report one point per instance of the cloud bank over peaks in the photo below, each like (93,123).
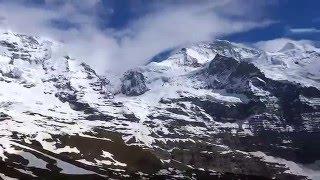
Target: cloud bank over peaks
(165,25)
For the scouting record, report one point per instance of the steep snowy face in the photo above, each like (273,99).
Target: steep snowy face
(38,62)
(53,106)
(208,109)
(21,57)
(23,50)
(43,92)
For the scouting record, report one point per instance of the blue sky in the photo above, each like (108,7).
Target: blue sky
(113,34)
(290,15)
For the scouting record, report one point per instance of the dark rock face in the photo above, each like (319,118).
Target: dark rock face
(244,77)
(234,76)
(133,84)
(229,113)
(221,65)
(221,68)
(283,104)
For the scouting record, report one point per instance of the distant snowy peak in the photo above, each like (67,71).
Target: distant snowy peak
(298,46)
(290,46)
(234,50)
(202,53)
(295,62)
(190,57)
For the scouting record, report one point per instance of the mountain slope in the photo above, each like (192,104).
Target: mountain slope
(211,109)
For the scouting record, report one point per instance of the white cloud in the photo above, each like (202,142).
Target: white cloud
(277,44)
(169,28)
(304,30)
(168,25)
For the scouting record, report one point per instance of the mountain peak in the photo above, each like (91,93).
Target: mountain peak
(290,46)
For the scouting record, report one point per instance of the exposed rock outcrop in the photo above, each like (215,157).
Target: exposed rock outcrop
(133,83)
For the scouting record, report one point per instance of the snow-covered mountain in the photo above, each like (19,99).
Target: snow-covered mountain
(210,110)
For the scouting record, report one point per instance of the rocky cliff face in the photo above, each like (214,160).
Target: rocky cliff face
(133,83)
(211,110)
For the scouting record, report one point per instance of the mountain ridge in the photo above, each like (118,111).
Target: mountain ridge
(211,107)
